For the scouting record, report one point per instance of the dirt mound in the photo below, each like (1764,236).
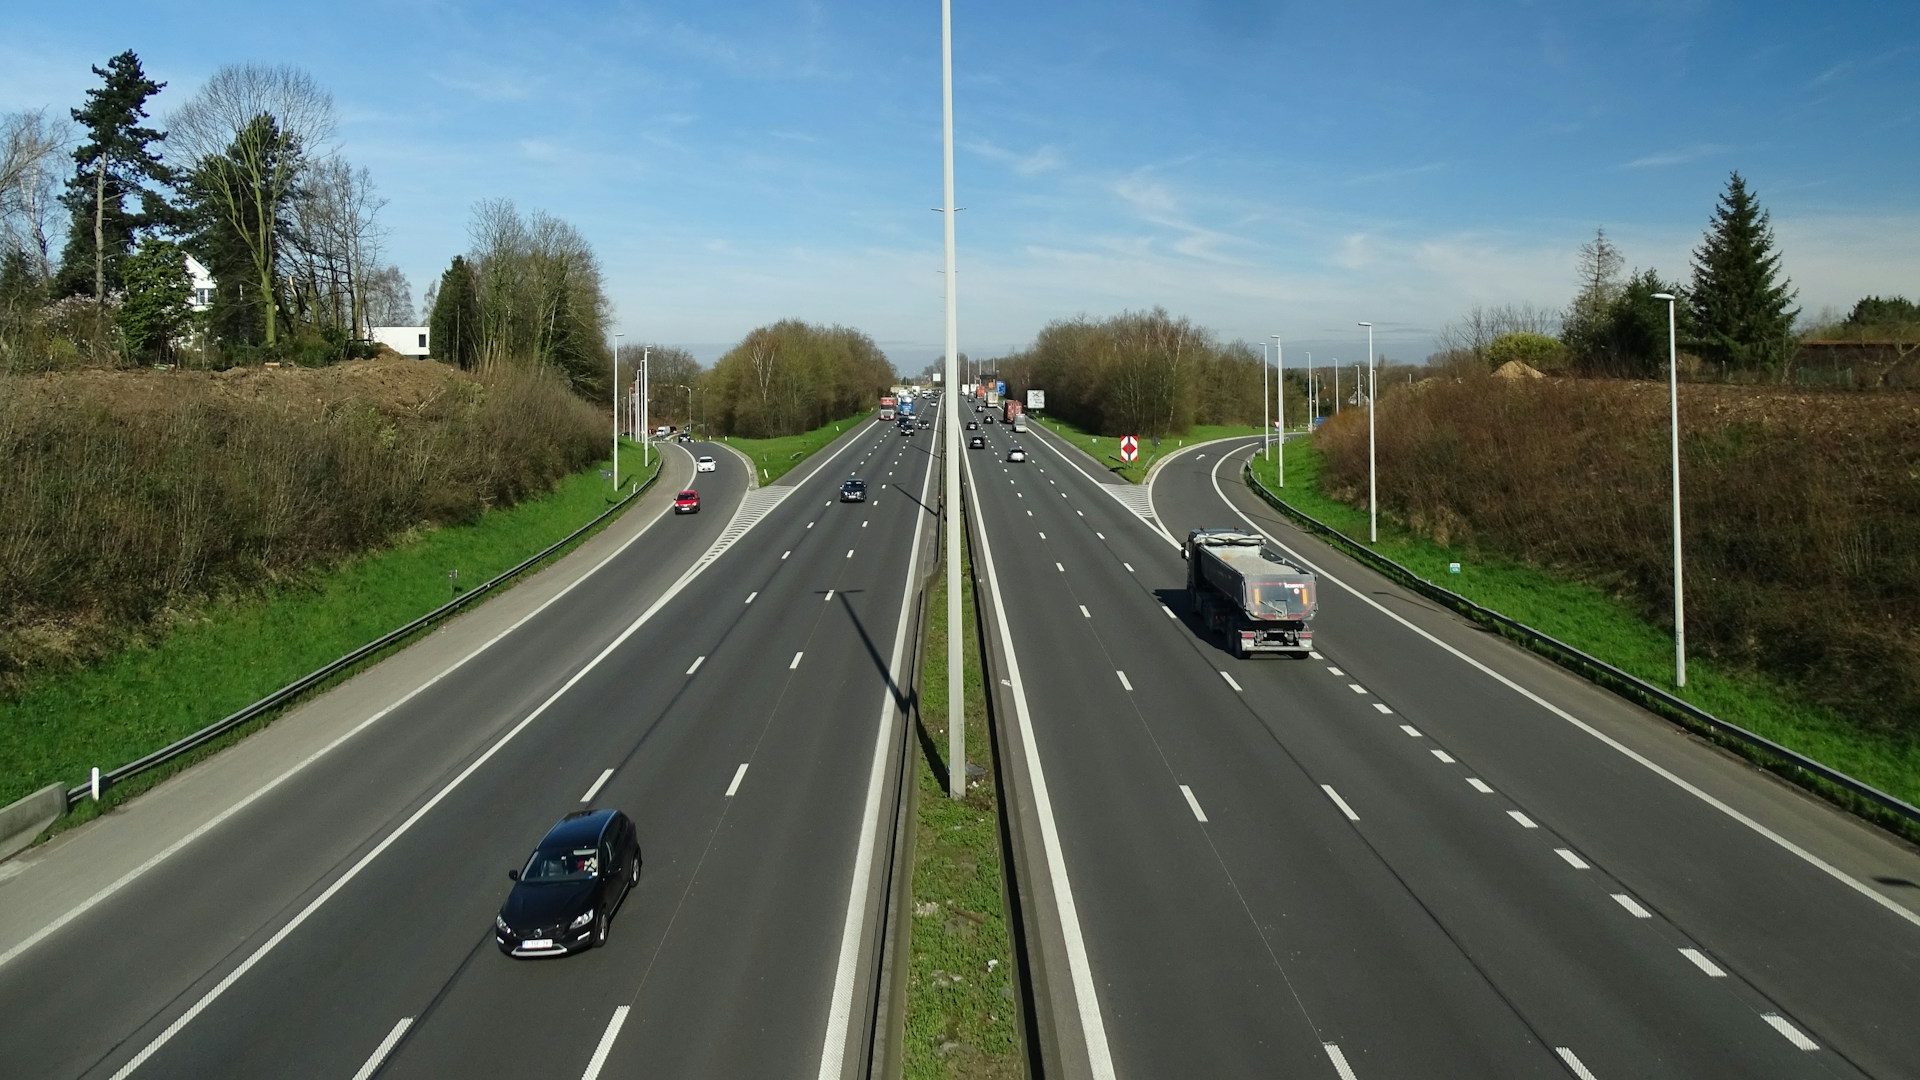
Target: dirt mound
(1514,369)
(392,384)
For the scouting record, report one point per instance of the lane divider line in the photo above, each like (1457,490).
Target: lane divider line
(1124,682)
(1381,708)
(1633,906)
(1708,967)
(739,774)
(600,1052)
(1084,613)
(1525,821)
(1412,732)
(1230,682)
(1340,1066)
(1199,814)
(1170,613)
(1574,1064)
(751,595)
(1572,859)
(796,660)
(386,1047)
(1339,802)
(1356,688)
(697,661)
(1479,785)
(597,784)
(1445,758)
(1783,1026)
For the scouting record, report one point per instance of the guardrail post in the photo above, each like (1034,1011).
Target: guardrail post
(93,784)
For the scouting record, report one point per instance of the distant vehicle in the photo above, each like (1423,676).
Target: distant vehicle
(888,406)
(685,436)
(1015,453)
(687,502)
(978,442)
(973,425)
(704,463)
(1249,593)
(566,894)
(662,431)
(907,430)
(854,490)
(987,419)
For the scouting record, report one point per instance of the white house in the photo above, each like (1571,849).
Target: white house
(408,341)
(202,296)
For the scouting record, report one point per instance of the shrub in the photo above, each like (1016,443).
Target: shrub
(1537,351)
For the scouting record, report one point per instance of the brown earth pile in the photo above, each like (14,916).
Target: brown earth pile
(1801,512)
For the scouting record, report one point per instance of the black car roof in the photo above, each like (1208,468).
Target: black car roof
(579,828)
(855,482)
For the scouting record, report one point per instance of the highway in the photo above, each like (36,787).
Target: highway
(1421,853)
(340,925)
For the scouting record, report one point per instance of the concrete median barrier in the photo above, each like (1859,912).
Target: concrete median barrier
(22,820)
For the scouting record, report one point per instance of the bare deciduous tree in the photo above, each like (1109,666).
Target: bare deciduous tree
(31,146)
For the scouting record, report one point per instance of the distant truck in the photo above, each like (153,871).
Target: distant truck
(887,407)
(1015,414)
(1249,593)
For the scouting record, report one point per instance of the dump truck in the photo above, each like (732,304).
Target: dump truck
(1253,596)
(887,406)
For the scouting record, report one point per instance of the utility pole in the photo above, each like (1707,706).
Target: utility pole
(616,411)
(950,402)
(1280,400)
(646,432)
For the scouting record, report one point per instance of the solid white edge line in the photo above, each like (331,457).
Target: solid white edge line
(1230,682)
(1525,821)
(1340,1066)
(597,784)
(739,774)
(833,1046)
(1574,1064)
(697,661)
(1631,754)
(1198,814)
(1572,859)
(1793,1034)
(386,1047)
(796,660)
(600,1052)
(1707,967)
(1633,906)
(1092,1027)
(1123,680)
(1339,802)
(686,578)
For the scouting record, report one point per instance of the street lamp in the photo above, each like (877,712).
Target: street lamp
(1313,397)
(1373,491)
(1673,424)
(1336,386)
(616,411)
(646,432)
(1266,407)
(689,390)
(1280,398)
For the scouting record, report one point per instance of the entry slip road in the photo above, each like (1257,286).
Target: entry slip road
(408,937)
(1425,881)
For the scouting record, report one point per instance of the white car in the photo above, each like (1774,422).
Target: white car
(1016,454)
(704,464)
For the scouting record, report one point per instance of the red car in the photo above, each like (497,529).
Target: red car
(687,502)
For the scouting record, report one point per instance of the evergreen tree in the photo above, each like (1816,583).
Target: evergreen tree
(116,162)
(1892,314)
(1740,302)
(455,324)
(1636,324)
(155,312)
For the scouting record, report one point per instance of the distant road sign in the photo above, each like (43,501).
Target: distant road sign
(1129,448)
(1036,399)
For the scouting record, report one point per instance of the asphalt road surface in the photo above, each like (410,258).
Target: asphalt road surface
(340,925)
(1422,852)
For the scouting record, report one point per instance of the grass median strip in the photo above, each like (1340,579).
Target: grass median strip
(772,458)
(234,651)
(961,1001)
(1106,449)
(1589,619)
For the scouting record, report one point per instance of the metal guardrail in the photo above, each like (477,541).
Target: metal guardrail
(1599,671)
(306,682)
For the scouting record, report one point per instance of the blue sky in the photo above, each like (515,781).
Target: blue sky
(1260,167)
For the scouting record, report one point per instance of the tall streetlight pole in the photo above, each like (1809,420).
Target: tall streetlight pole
(646,432)
(1313,399)
(950,401)
(1673,424)
(616,411)
(1266,406)
(1336,386)
(1280,402)
(1373,490)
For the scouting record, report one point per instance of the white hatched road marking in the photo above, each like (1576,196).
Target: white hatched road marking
(386,1047)
(1783,1026)
(600,1052)
(1198,813)
(1700,961)
(597,784)
(1572,859)
(1339,802)
(1633,906)
(1574,1063)
(1340,1066)
(739,774)
(1230,682)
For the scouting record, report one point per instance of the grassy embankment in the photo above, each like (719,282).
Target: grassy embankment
(1106,449)
(236,650)
(772,458)
(1605,625)
(960,995)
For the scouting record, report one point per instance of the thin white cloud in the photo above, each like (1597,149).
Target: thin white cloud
(1042,160)
(1400,173)
(499,84)
(1679,156)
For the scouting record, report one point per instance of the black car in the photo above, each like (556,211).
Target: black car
(989,418)
(566,894)
(853,491)
(973,425)
(978,442)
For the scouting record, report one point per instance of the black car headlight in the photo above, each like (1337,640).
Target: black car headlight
(585,918)
(500,924)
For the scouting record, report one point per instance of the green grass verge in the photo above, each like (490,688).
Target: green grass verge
(961,1001)
(1106,449)
(772,458)
(1596,622)
(234,651)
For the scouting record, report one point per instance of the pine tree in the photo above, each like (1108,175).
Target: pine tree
(455,324)
(1740,303)
(155,312)
(116,162)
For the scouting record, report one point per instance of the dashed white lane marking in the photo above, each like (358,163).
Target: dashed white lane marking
(1711,969)
(849,553)
(785,554)
(1633,906)
(1574,1064)
(1356,688)
(1043,536)
(829,597)
(600,1052)
(739,774)
(1083,612)
(386,1047)
(1029,513)
(1412,732)
(1060,568)
(1099,534)
(1082,513)
(1339,1060)
(1525,821)
(697,661)
(1018,495)
(751,595)
(811,524)
(1572,859)
(1198,813)
(1339,802)
(1315,655)
(1170,613)
(1230,682)
(1445,758)
(1335,671)
(1381,708)
(1129,566)
(796,660)
(864,524)
(1479,785)
(597,784)
(1123,681)
(1780,1024)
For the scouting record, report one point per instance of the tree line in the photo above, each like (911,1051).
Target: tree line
(789,377)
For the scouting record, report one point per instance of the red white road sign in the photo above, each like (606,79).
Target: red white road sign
(1129,448)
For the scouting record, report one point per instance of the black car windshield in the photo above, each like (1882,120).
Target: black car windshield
(561,864)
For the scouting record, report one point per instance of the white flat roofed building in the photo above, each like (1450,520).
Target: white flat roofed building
(408,341)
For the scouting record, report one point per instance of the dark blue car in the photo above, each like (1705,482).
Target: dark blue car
(566,894)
